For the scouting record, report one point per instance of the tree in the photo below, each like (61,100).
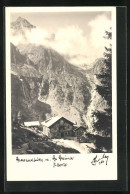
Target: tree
(103,122)
(105,90)
(19,118)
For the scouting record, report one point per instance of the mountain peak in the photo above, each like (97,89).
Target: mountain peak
(19,18)
(21,23)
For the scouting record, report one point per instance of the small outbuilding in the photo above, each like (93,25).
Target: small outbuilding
(79,131)
(32,124)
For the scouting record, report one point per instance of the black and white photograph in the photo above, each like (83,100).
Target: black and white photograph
(61,82)
(61,92)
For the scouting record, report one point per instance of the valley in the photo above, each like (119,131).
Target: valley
(44,83)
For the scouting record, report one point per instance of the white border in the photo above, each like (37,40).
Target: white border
(80,168)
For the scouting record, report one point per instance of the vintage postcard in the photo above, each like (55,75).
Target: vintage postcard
(61,97)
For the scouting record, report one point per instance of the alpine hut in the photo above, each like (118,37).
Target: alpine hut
(58,127)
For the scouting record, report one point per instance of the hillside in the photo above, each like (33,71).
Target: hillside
(98,102)
(42,76)
(28,142)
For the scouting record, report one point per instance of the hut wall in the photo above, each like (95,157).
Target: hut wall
(46,131)
(62,128)
(79,132)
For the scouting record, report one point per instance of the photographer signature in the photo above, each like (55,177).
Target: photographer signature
(103,159)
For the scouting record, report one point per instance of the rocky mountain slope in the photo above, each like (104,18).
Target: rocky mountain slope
(25,82)
(98,103)
(42,76)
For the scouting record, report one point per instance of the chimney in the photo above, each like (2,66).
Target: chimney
(75,123)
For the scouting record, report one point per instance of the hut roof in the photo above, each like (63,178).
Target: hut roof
(31,123)
(49,122)
(76,127)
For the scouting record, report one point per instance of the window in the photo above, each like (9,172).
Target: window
(78,133)
(61,122)
(61,128)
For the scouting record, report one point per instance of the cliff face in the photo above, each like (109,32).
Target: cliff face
(44,77)
(98,103)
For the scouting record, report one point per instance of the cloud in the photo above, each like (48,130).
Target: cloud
(98,27)
(37,36)
(25,36)
(81,47)
(72,42)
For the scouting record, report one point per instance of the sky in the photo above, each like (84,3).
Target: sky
(78,35)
